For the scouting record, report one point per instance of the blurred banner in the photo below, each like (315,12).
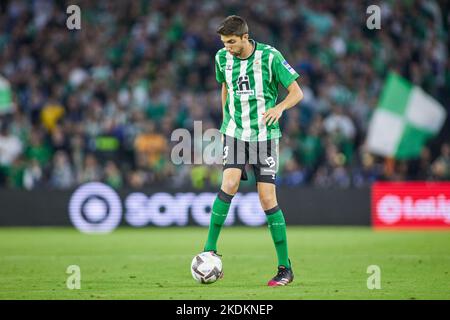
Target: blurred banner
(406,117)
(415,205)
(5,96)
(97,208)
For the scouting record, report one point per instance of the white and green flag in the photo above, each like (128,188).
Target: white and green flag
(405,118)
(5,96)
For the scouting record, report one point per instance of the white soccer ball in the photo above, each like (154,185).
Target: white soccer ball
(206,267)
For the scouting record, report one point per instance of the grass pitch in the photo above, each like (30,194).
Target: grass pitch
(154,263)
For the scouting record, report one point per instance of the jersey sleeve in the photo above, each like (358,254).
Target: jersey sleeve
(282,71)
(219,70)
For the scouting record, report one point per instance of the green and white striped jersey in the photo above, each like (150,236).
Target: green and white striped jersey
(252,85)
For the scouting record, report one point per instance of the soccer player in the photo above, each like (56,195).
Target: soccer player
(250,73)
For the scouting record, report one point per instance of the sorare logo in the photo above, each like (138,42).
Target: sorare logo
(97,208)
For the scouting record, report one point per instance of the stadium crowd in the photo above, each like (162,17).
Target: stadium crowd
(100,103)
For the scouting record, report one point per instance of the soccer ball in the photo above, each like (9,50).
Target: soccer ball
(206,267)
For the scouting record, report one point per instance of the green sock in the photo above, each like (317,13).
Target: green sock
(277,226)
(218,215)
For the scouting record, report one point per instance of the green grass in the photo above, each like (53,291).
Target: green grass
(154,263)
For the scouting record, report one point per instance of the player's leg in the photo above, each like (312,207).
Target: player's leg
(277,227)
(221,206)
(275,220)
(265,172)
(232,173)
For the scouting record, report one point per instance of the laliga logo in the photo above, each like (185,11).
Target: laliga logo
(96,208)
(392,208)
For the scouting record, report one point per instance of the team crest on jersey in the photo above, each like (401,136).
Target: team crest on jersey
(244,86)
(288,67)
(229,67)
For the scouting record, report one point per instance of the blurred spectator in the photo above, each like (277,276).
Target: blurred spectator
(339,123)
(38,149)
(62,175)
(367,172)
(199,176)
(136,179)
(32,175)
(420,169)
(10,147)
(441,166)
(78,152)
(91,170)
(112,175)
(58,139)
(310,148)
(15,174)
(293,174)
(149,148)
(51,113)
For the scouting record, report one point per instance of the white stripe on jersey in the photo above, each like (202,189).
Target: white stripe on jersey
(259,92)
(245,107)
(231,127)
(270,67)
(218,62)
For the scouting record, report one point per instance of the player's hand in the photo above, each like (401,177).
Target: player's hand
(273,115)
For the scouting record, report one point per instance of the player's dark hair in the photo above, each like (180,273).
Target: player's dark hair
(233,26)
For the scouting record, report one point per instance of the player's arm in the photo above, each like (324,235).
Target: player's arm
(295,95)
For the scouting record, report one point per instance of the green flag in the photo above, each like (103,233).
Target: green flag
(405,118)
(5,96)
